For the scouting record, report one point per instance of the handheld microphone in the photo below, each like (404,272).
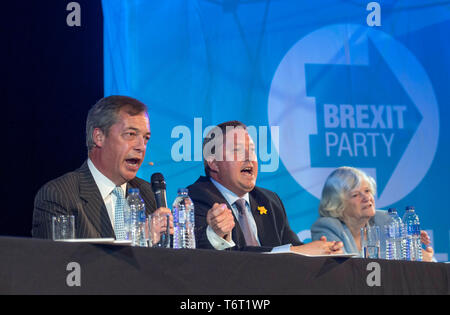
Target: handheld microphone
(159,189)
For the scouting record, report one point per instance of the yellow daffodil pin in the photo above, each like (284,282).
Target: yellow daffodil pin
(262,210)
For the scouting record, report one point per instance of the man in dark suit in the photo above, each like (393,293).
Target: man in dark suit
(230,211)
(117,132)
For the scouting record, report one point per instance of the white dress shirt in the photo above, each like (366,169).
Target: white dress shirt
(218,242)
(106,186)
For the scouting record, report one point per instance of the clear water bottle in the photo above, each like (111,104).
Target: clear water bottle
(391,246)
(413,248)
(135,219)
(394,241)
(183,220)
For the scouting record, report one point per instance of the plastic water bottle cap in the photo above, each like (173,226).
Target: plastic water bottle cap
(392,210)
(182,191)
(409,208)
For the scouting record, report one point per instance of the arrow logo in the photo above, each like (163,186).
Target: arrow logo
(364,116)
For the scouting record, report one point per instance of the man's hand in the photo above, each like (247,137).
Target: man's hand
(321,247)
(221,220)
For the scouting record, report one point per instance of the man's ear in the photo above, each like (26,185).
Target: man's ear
(99,137)
(212,163)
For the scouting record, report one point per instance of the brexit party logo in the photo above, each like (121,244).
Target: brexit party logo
(351,95)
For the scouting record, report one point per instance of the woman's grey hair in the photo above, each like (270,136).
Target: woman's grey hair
(104,114)
(337,186)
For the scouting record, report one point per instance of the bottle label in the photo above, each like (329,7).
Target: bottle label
(391,230)
(141,216)
(413,229)
(410,230)
(182,216)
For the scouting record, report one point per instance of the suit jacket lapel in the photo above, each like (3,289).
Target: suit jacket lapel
(266,234)
(94,205)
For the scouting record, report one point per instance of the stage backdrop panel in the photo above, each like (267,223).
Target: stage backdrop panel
(321,83)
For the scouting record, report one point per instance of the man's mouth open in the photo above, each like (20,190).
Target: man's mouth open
(247,171)
(133,163)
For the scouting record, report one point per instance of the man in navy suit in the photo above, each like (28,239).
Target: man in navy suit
(230,211)
(117,132)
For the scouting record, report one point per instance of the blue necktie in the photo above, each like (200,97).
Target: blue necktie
(119,225)
(250,238)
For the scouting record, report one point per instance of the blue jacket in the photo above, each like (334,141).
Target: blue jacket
(336,230)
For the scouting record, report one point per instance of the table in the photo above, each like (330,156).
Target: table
(33,266)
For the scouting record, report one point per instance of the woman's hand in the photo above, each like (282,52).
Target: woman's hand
(427,254)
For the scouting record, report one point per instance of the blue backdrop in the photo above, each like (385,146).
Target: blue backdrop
(321,83)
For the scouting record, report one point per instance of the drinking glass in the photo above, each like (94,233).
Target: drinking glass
(370,242)
(63,227)
(159,230)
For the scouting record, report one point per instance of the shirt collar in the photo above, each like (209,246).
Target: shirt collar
(104,184)
(229,196)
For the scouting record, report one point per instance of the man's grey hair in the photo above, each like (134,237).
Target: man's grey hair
(337,187)
(105,112)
